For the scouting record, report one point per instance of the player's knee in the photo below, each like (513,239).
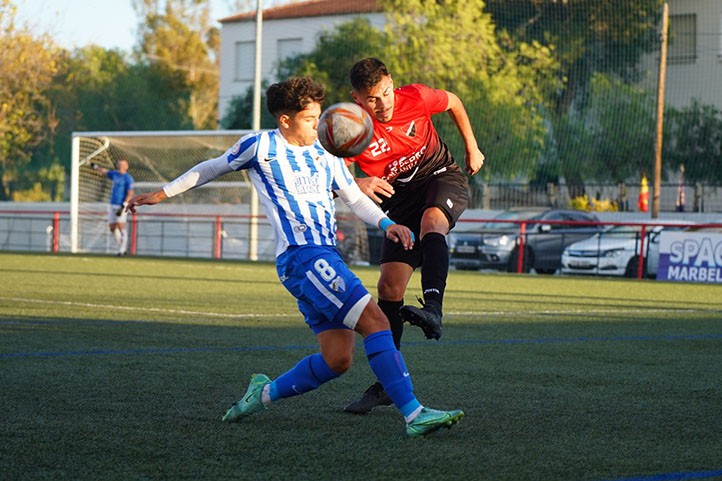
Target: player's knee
(389,290)
(340,363)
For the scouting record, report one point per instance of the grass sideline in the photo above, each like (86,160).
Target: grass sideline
(121,368)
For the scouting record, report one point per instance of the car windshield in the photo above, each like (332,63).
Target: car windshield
(511,215)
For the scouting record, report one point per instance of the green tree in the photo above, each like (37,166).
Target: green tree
(178,38)
(586,37)
(620,119)
(334,54)
(502,82)
(101,90)
(27,66)
(240,112)
(693,139)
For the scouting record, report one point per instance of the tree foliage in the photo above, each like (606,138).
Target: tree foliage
(27,66)
(694,140)
(609,141)
(455,47)
(176,36)
(588,36)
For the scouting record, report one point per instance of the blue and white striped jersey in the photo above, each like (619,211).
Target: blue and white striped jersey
(294,185)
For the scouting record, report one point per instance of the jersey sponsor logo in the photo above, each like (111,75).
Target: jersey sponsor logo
(403,165)
(307,184)
(449,203)
(411,131)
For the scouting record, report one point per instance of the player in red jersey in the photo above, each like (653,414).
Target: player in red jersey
(414,177)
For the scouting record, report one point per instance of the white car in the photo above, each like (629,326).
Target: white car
(615,252)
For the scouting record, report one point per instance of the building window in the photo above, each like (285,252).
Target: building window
(682,39)
(289,47)
(245,59)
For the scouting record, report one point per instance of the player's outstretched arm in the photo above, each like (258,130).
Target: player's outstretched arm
(473,157)
(151,198)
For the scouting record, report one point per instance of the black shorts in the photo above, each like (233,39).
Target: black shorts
(447,189)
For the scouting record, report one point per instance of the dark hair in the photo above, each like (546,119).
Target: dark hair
(293,95)
(367,73)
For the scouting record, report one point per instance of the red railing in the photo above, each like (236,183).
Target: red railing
(57,218)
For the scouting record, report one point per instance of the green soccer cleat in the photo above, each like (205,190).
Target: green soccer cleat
(430,420)
(251,402)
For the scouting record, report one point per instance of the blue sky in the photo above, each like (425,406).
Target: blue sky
(76,23)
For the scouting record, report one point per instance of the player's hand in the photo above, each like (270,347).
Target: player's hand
(371,186)
(400,233)
(150,198)
(474,161)
(94,166)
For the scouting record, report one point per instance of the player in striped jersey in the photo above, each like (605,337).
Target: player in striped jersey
(295,179)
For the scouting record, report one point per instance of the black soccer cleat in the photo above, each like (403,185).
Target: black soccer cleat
(374,396)
(428,319)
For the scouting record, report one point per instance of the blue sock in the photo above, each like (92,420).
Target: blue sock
(307,375)
(388,364)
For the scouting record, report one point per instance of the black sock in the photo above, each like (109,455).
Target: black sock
(391,309)
(434,269)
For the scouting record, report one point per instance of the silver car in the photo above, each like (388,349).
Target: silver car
(496,245)
(615,252)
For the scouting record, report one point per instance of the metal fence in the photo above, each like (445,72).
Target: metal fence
(500,196)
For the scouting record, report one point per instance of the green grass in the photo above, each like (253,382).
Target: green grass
(120,369)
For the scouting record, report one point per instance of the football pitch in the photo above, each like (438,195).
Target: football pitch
(121,368)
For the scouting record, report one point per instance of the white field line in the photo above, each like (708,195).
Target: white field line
(145,309)
(541,312)
(545,312)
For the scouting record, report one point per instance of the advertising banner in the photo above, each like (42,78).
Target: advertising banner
(690,257)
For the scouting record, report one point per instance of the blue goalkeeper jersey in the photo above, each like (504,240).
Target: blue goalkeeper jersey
(294,185)
(122,184)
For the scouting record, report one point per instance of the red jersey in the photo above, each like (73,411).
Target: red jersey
(407,147)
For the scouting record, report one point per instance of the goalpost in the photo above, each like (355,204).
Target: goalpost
(184,225)
(155,157)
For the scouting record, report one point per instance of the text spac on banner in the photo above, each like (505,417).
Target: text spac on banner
(690,257)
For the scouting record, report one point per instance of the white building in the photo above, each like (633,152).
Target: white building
(287,30)
(694,56)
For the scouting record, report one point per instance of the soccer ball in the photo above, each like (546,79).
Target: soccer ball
(345,129)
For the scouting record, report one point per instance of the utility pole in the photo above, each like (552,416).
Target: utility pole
(660,112)
(253,224)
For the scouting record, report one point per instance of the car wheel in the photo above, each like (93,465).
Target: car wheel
(633,267)
(528,261)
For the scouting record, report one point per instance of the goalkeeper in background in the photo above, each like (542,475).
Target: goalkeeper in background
(120,194)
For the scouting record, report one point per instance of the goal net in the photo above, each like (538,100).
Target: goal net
(220,219)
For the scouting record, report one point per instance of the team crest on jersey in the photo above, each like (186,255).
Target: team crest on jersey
(300,228)
(338,284)
(411,131)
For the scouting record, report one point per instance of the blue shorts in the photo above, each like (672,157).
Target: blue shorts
(329,295)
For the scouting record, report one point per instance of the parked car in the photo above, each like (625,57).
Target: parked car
(615,252)
(496,244)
